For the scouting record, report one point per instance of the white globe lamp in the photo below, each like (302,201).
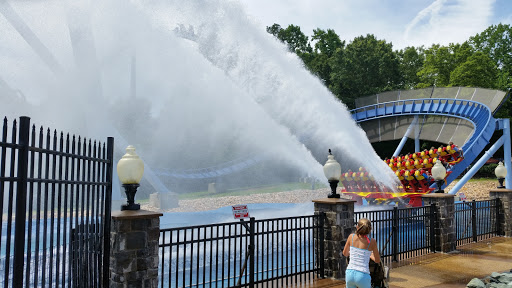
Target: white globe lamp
(130,169)
(332,171)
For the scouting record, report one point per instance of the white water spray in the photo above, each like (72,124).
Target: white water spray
(232,91)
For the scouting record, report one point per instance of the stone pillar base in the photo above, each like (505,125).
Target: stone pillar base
(444,230)
(338,224)
(505,196)
(134,258)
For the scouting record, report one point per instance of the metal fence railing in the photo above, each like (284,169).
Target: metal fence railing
(242,253)
(55,199)
(476,220)
(286,251)
(401,233)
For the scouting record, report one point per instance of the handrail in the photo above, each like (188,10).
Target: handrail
(420,99)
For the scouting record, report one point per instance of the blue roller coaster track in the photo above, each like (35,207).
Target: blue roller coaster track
(477,113)
(213,171)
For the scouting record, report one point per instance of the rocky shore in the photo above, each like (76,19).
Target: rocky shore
(477,190)
(495,280)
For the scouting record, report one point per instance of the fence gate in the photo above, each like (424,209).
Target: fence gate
(55,199)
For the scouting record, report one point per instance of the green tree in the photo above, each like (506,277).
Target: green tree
(496,41)
(274,30)
(461,52)
(478,71)
(439,63)
(411,61)
(366,66)
(296,40)
(319,62)
(327,42)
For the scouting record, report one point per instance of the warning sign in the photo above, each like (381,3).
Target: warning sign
(462,196)
(240,211)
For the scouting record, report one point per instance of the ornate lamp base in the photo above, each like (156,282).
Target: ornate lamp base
(334,184)
(500,180)
(439,185)
(130,190)
(130,207)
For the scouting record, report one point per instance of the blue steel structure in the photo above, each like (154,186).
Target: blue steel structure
(213,171)
(414,126)
(477,113)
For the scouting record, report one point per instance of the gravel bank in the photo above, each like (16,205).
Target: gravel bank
(212,203)
(477,190)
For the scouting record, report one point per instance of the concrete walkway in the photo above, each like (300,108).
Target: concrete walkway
(444,270)
(455,269)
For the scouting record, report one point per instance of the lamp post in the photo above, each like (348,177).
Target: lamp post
(130,169)
(332,171)
(439,173)
(501,173)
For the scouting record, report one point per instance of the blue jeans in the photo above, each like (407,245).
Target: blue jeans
(357,279)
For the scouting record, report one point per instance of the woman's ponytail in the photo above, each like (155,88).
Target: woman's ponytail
(364,226)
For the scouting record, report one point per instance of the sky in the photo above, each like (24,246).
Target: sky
(402,22)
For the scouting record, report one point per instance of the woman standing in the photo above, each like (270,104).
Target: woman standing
(361,249)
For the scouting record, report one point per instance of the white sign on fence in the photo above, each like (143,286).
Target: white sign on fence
(240,211)
(462,196)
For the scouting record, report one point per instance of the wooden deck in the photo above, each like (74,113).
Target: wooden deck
(320,283)
(303,282)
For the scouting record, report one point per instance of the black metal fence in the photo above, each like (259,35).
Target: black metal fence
(55,199)
(477,220)
(281,252)
(271,251)
(401,233)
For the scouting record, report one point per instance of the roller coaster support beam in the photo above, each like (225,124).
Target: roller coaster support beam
(417,135)
(30,37)
(504,124)
(406,135)
(488,154)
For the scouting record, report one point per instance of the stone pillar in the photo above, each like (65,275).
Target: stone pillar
(338,224)
(444,230)
(505,196)
(134,258)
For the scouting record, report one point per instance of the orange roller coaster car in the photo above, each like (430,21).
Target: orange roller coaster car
(413,172)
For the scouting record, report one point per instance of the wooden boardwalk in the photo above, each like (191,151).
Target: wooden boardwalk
(320,283)
(305,282)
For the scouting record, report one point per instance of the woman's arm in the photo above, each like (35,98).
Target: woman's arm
(375,251)
(346,250)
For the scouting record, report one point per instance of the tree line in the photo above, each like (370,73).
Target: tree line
(368,65)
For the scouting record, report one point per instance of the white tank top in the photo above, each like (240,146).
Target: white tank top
(359,258)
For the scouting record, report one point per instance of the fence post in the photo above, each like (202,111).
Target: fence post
(108,211)
(432,227)
(395,234)
(444,228)
(21,203)
(252,246)
(473,221)
(338,224)
(320,243)
(505,209)
(498,217)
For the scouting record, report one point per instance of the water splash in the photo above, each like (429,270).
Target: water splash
(225,90)
(275,79)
